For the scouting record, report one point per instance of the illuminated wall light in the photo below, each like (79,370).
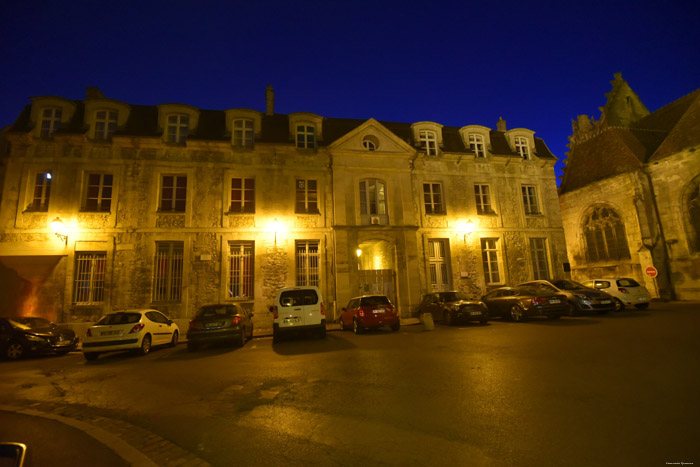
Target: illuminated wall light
(59,230)
(465,228)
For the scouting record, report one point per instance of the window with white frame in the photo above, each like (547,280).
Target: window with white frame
(307,263)
(490,260)
(178,128)
(482,195)
(242,195)
(240,282)
(432,197)
(98,192)
(105,124)
(42,192)
(173,193)
(540,264)
(306,136)
(373,206)
(89,282)
(428,141)
(476,144)
(167,271)
(306,196)
(530,201)
(50,121)
(521,147)
(243,132)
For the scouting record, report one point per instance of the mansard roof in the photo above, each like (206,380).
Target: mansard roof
(606,150)
(143,122)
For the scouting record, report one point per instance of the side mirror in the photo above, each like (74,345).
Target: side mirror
(272,309)
(14,453)
(343,309)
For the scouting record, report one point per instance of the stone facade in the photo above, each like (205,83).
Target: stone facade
(644,168)
(353,206)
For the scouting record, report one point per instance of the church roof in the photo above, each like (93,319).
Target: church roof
(615,146)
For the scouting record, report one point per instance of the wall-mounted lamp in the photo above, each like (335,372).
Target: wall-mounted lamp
(59,229)
(465,228)
(358,252)
(275,226)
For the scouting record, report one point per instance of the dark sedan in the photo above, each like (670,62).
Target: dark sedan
(581,299)
(20,336)
(451,307)
(221,323)
(523,302)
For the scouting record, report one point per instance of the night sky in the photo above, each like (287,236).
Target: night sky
(536,64)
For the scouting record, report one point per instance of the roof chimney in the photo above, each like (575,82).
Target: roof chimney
(92,92)
(501,124)
(269,100)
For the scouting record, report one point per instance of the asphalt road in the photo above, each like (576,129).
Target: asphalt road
(621,389)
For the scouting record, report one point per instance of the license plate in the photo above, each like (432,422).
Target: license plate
(555,301)
(474,313)
(109,333)
(378,311)
(214,325)
(605,302)
(291,320)
(63,342)
(641,299)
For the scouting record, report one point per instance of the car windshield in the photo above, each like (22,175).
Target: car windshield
(30,323)
(374,301)
(565,284)
(452,296)
(119,318)
(215,311)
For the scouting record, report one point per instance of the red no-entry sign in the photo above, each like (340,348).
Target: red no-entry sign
(651,271)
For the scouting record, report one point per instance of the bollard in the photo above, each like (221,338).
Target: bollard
(428,323)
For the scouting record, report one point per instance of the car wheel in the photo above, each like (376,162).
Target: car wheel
(449,319)
(275,337)
(619,306)
(145,345)
(571,309)
(14,350)
(322,333)
(396,327)
(484,320)
(356,328)
(91,355)
(241,340)
(641,306)
(517,314)
(342,325)
(173,341)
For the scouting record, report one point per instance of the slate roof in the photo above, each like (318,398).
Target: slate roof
(143,121)
(616,150)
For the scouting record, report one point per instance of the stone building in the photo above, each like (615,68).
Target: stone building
(108,205)
(630,194)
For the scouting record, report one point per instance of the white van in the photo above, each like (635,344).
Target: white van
(298,309)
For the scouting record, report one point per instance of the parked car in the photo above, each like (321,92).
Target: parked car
(452,307)
(581,299)
(369,312)
(524,302)
(625,291)
(226,323)
(298,309)
(20,336)
(136,330)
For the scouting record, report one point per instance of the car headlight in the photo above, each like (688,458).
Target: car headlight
(32,337)
(454,307)
(580,295)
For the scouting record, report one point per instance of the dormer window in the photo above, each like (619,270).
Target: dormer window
(306,136)
(50,121)
(428,141)
(521,147)
(243,132)
(476,144)
(105,124)
(178,128)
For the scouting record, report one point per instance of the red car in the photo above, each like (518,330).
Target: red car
(369,311)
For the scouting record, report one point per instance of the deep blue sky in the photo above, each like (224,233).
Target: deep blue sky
(536,64)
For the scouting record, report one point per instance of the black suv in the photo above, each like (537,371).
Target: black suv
(451,307)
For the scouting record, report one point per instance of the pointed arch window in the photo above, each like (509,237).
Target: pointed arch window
(604,235)
(693,210)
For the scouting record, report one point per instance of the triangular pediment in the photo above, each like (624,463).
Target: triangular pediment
(369,133)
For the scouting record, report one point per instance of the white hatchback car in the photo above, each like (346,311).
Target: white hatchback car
(298,309)
(129,330)
(626,291)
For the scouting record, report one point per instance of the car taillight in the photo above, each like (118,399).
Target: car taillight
(622,290)
(362,312)
(236,321)
(192,325)
(88,333)
(323,309)
(539,300)
(275,314)
(136,328)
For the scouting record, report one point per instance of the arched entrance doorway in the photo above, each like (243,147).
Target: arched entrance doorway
(377,268)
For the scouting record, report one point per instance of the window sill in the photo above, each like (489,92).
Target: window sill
(492,214)
(35,211)
(308,213)
(85,211)
(171,212)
